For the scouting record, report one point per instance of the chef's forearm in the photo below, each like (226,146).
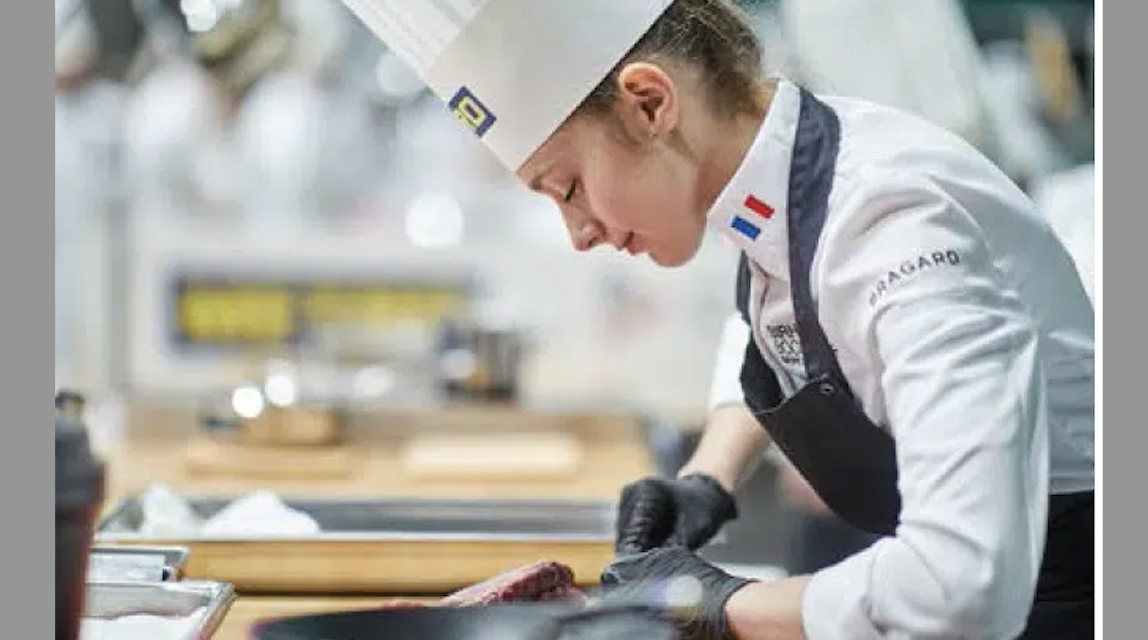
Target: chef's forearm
(768,610)
(730,447)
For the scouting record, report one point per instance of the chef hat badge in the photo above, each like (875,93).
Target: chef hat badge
(511,70)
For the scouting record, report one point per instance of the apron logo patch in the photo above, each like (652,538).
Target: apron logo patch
(909,268)
(786,342)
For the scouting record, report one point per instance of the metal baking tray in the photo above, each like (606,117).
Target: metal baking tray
(136,563)
(187,610)
(389,546)
(540,520)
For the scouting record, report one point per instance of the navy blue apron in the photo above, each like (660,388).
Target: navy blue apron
(850,462)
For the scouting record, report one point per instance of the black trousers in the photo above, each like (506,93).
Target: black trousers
(1064,606)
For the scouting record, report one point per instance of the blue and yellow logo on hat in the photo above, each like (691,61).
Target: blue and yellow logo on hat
(471,111)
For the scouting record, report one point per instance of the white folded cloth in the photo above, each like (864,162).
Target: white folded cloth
(261,513)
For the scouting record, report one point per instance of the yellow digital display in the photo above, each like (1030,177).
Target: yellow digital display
(227,312)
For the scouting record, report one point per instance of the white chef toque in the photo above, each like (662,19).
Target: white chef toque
(511,70)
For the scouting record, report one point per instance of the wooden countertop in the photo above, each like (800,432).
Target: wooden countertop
(614,452)
(606,467)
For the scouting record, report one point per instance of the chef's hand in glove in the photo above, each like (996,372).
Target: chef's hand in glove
(673,579)
(686,511)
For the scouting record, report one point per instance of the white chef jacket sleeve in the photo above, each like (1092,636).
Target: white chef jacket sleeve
(909,279)
(725,385)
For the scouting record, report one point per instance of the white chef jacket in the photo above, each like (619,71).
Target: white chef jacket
(1068,200)
(963,329)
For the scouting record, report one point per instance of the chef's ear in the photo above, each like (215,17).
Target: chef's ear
(648,100)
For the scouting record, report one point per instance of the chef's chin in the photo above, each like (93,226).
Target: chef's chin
(672,259)
(681,254)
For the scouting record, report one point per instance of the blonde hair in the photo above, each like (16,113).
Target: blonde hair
(714,38)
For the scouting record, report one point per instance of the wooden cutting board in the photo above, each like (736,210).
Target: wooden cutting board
(501,455)
(211,456)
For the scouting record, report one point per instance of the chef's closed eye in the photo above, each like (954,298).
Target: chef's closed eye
(571,191)
(560,189)
(559,193)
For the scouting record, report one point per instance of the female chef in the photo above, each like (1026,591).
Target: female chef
(921,344)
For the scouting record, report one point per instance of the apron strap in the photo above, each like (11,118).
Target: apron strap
(811,179)
(743,282)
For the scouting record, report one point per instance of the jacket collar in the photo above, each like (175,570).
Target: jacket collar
(752,208)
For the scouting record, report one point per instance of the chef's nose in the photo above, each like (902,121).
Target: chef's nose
(585,232)
(588,236)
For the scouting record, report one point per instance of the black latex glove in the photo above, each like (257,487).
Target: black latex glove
(692,592)
(686,511)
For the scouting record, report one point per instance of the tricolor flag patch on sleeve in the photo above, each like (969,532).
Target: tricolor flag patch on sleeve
(745,224)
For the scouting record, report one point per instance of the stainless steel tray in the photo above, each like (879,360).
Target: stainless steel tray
(539,520)
(109,563)
(388,546)
(188,610)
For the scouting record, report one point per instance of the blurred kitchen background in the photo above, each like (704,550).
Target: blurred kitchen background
(260,209)
(242,180)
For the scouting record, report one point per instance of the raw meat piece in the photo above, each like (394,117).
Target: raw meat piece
(572,594)
(526,583)
(543,581)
